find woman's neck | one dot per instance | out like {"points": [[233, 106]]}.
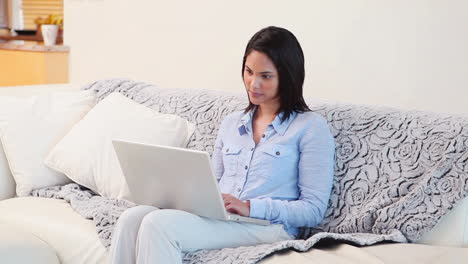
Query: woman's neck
{"points": [[267, 113]]}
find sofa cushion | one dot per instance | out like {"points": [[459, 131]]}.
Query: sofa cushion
{"points": [[29, 135], [452, 230], [20, 247], [388, 253], [86, 154], [72, 237]]}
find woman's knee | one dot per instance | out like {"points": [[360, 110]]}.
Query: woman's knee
{"points": [[158, 228], [134, 216], [125, 233], [166, 221], [161, 218]]}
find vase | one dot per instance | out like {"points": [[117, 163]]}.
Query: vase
{"points": [[49, 34]]}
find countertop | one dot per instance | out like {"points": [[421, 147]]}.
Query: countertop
{"points": [[33, 47]]}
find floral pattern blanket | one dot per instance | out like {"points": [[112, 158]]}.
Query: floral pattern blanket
{"points": [[396, 173]]}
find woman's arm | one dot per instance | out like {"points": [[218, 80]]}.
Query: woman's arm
{"points": [[315, 179], [217, 158]]}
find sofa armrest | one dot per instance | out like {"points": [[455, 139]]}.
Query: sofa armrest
{"points": [[452, 230], [30, 90]]}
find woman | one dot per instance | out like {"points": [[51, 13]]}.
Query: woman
{"points": [[273, 161]]}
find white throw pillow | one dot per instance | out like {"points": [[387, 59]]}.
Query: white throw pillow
{"points": [[7, 183], [9, 107], [29, 135], [86, 154]]}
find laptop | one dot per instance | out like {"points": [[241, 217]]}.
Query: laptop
{"points": [[174, 178]]}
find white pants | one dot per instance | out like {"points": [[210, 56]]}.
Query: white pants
{"points": [[145, 234]]}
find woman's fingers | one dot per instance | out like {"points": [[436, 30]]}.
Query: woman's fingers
{"points": [[226, 199], [234, 205], [231, 208], [227, 196], [229, 199]]}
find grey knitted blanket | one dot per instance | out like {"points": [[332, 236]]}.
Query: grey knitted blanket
{"points": [[396, 173]]}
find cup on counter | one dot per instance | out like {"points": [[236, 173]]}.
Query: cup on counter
{"points": [[49, 34]]}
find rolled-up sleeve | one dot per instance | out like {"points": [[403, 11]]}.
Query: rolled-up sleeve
{"points": [[315, 179]]}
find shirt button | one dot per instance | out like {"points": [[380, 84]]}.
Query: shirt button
{"points": [[277, 153], [252, 149], [238, 189], [246, 167], [263, 135]]}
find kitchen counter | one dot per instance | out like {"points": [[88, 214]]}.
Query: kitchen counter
{"points": [[33, 47], [31, 64]]}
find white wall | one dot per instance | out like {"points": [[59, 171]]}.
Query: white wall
{"points": [[407, 54]]}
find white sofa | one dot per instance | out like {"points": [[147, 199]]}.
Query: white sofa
{"points": [[40, 230]]}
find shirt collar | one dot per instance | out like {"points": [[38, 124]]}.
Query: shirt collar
{"points": [[245, 123], [281, 127]]}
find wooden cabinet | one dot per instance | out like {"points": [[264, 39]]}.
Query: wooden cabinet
{"points": [[33, 64]]}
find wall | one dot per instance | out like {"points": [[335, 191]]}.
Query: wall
{"points": [[408, 54]]}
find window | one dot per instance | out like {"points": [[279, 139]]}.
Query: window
{"points": [[33, 9]]}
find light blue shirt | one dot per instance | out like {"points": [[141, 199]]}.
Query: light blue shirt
{"points": [[287, 176]]}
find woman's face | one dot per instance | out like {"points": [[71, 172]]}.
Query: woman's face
{"points": [[261, 80]]}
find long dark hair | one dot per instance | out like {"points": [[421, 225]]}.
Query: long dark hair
{"points": [[283, 49]]}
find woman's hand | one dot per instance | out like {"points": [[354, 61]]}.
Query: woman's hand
{"points": [[236, 206]]}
